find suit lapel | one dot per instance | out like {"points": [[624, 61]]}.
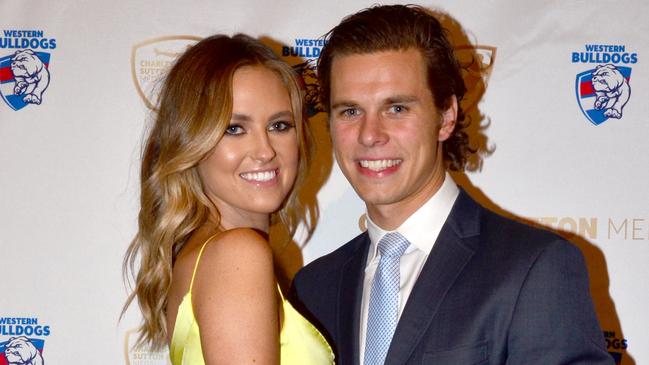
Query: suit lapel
{"points": [[350, 289], [452, 251]]}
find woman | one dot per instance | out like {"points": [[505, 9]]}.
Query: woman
{"points": [[228, 145]]}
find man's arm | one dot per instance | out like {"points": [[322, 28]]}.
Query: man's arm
{"points": [[554, 321]]}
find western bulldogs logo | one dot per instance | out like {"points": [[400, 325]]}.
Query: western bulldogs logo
{"points": [[612, 90], [24, 77], [22, 351], [24, 344], [30, 75], [603, 92], [25, 73]]}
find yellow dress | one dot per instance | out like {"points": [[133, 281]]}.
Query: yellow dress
{"points": [[300, 341]]}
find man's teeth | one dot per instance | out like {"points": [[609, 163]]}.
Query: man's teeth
{"points": [[259, 176], [378, 165]]}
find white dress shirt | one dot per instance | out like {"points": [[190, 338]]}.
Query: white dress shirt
{"points": [[421, 230]]}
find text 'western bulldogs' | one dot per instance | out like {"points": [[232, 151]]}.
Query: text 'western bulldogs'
{"points": [[603, 53], [304, 47], [17, 326], [26, 39]]}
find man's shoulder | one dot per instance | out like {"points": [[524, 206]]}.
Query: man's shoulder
{"points": [[509, 224], [507, 231], [327, 266], [513, 241], [518, 226], [507, 246], [335, 259]]}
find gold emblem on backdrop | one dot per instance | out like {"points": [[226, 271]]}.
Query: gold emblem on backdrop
{"points": [[140, 355], [152, 58], [477, 63]]}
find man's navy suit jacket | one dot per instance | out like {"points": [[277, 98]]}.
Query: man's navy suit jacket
{"points": [[492, 291]]}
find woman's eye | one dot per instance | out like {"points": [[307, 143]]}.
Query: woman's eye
{"points": [[280, 126], [234, 129]]}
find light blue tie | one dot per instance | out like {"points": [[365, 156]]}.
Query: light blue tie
{"points": [[384, 299]]}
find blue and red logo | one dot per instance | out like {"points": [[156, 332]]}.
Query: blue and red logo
{"points": [[24, 342], [24, 77], [22, 350], [25, 71], [603, 91]]}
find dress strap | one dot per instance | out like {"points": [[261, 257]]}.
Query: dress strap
{"points": [[280, 292], [198, 259]]}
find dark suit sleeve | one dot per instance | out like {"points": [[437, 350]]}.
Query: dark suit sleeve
{"points": [[301, 292], [554, 320], [312, 297], [296, 295]]}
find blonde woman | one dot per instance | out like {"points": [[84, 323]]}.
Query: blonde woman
{"points": [[228, 146]]}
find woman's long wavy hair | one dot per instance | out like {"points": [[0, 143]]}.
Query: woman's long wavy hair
{"points": [[193, 111]]}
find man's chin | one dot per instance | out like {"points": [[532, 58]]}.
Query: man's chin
{"points": [[376, 199]]}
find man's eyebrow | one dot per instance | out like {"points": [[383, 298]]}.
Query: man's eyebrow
{"points": [[401, 99], [343, 104], [396, 99]]}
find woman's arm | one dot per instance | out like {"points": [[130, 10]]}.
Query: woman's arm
{"points": [[235, 300]]}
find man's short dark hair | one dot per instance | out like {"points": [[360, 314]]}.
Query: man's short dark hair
{"points": [[402, 27]]}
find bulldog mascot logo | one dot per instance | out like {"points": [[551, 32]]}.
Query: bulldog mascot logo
{"points": [[612, 90], [21, 351], [603, 92], [24, 77], [32, 78]]}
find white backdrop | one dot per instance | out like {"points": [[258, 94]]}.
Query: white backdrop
{"points": [[69, 165]]}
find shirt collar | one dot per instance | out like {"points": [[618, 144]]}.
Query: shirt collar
{"points": [[423, 226]]}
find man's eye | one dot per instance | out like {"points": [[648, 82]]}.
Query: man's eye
{"points": [[280, 126], [234, 129], [397, 109], [351, 112]]}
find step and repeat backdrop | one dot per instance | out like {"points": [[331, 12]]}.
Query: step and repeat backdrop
{"points": [[78, 79]]}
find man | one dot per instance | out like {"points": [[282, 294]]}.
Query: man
{"points": [[436, 279]]}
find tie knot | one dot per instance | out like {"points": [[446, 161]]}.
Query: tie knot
{"points": [[393, 244]]}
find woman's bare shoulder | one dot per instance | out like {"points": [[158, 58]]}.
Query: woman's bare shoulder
{"points": [[235, 298], [233, 263], [234, 247]]}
